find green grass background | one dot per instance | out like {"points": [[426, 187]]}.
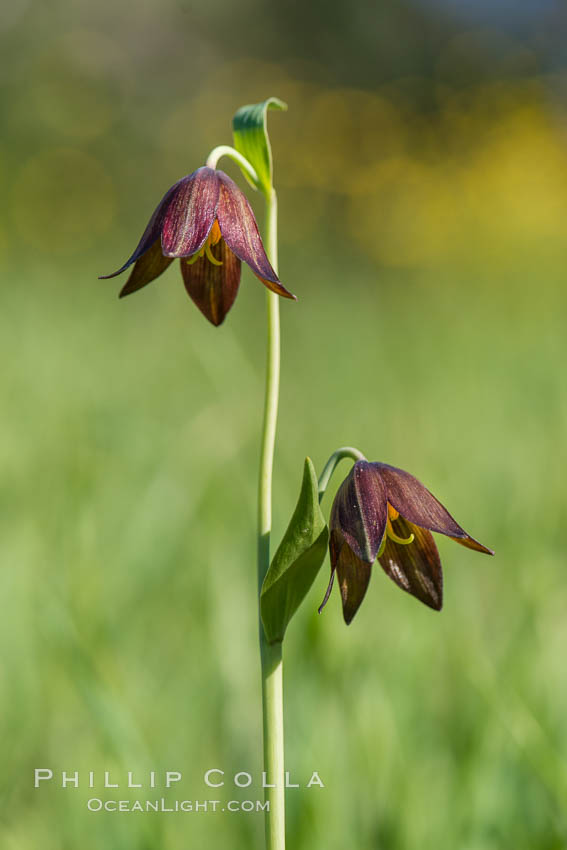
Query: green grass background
{"points": [[423, 229], [129, 450]]}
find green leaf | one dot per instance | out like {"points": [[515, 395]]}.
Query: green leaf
{"points": [[297, 560], [249, 127]]}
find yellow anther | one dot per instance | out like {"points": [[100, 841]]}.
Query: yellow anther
{"points": [[392, 512], [215, 234]]}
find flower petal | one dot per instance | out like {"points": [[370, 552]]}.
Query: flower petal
{"points": [[328, 591], [149, 266], [414, 502], [190, 214], [240, 231], [213, 288], [151, 233], [471, 543], [360, 510], [353, 576], [415, 567]]}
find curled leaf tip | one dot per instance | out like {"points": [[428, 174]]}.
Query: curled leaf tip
{"points": [[251, 139]]}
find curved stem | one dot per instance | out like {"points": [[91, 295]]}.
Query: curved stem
{"points": [[271, 654], [329, 468], [227, 150]]}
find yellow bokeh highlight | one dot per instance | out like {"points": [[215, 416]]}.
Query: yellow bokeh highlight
{"points": [[480, 175], [490, 181], [406, 218], [484, 171]]}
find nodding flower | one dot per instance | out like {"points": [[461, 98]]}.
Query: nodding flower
{"points": [[206, 222], [383, 513]]}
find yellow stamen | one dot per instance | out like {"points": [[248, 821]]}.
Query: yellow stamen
{"points": [[213, 238], [194, 257], [210, 257], [404, 541]]}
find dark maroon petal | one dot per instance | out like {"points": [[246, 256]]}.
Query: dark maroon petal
{"points": [[213, 288], [328, 591], [336, 542], [240, 231], [471, 543], [415, 567], [151, 233], [190, 214], [353, 576], [147, 268], [414, 502], [360, 510]]}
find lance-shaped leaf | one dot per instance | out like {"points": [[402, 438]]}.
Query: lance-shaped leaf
{"points": [[249, 127], [297, 560]]}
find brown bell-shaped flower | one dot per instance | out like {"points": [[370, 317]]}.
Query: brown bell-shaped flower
{"points": [[206, 221], [381, 512]]}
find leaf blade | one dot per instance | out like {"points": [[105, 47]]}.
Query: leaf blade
{"points": [[297, 560]]}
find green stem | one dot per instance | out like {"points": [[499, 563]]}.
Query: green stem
{"points": [[232, 153], [271, 654], [329, 468]]}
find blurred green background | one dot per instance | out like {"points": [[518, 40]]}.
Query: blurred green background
{"points": [[422, 174]]}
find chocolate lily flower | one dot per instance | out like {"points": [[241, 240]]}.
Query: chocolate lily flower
{"points": [[206, 221], [381, 512]]}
